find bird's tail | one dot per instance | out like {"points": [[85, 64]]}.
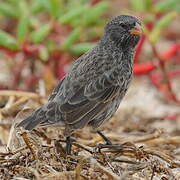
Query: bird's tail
{"points": [[33, 120]]}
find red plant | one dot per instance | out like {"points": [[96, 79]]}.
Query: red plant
{"points": [[161, 81]]}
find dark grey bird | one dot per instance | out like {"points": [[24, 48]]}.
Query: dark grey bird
{"points": [[91, 92]]}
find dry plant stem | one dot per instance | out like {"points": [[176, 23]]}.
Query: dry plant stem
{"points": [[4, 124], [80, 146], [133, 151], [153, 173], [10, 137], [20, 101], [163, 156], [7, 161], [161, 63], [128, 147], [58, 176], [10, 101], [5, 153], [93, 162], [29, 144], [9, 110], [43, 135], [83, 147], [137, 167], [125, 160], [169, 140], [157, 134], [79, 166], [19, 150], [19, 94], [1, 116], [109, 173]]}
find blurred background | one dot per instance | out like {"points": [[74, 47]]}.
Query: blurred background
{"points": [[39, 39]]}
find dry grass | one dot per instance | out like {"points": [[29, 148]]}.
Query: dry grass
{"points": [[141, 149]]}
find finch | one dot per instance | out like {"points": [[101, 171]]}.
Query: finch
{"points": [[91, 92]]}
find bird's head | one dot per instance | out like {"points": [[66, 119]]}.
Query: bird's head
{"points": [[124, 31]]}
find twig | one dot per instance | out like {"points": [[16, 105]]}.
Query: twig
{"points": [[152, 175], [10, 110], [125, 160], [60, 175], [43, 135], [79, 166], [166, 140], [29, 144], [104, 170], [10, 102], [80, 146], [86, 148], [138, 167], [19, 94], [19, 150], [157, 134], [164, 157]]}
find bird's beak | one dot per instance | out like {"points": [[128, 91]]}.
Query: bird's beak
{"points": [[137, 30]]}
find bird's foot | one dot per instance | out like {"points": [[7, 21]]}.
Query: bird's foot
{"points": [[101, 146], [68, 146]]}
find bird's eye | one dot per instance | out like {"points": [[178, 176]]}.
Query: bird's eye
{"points": [[123, 25], [134, 23]]}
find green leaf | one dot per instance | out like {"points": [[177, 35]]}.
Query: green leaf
{"points": [[34, 22], [62, 6], [23, 24], [8, 41], [23, 8], [177, 8], [137, 5], [75, 4], [40, 34], [72, 38], [13, 2], [22, 28], [82, 48], [54, 8], [8, 10], [167, 4], [37, 6], [43, 54], [72, 15], [160, 25], [148, 4], [92, 15]]}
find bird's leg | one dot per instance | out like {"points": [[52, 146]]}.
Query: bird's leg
{"points": [[108, 142], [69, 139], [100, 146]]}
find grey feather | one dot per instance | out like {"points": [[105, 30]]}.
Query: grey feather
{"points": [[93, 89]]}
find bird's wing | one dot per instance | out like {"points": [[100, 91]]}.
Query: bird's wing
{"points": [[92, 92], [87, 88], [89, 101], [56, 90]]}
